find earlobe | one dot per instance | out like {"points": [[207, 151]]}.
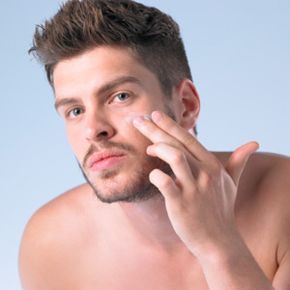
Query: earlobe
{"points": [[190, 104]]}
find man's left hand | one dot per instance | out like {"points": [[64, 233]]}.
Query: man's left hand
{"points": [[200, 198]]}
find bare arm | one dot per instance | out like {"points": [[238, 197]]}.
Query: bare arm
{"points": [[200, 204], [233, 267]]}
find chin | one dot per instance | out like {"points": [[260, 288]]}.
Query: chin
{"points": [[115, 190], [114, 186], [129, 185]]}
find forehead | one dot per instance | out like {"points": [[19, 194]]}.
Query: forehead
{"points": [[96, 67]]}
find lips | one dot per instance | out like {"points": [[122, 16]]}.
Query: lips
{"points": [[104, 159]]}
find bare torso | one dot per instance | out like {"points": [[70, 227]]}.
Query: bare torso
{"points": [[88, 245]]}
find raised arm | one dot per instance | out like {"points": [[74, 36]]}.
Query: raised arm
{"points": [[200, 202]]}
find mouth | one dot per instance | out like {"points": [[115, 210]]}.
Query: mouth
{"points": [[105, 160]]}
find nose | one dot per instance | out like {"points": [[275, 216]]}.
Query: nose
{"points": [[98, 127]]}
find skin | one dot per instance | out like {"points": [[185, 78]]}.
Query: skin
{"points": [[221, 223]]}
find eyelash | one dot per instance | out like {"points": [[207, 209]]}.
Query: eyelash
{"points": [[121, 93], [68, 113]]}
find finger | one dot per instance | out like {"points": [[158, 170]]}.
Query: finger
{"points": [[238, 160], [183, 136], [155, 134], [165, 184], [177, 161]]}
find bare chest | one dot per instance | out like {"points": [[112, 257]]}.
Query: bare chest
{"points": [[115, 260], [119, 269], [119, 264]]}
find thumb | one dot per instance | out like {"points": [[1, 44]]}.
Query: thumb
{"points": [[238, 160]]}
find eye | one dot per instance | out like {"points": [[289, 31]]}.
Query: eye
{"points": [[121, 97], [74, 113]]}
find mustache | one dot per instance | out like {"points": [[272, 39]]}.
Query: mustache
{"points": [[107, 145]]}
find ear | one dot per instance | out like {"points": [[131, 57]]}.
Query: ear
{"points": [[188, 104]]}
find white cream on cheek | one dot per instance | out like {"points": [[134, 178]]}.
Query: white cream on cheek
{"points": [[131, 116]]}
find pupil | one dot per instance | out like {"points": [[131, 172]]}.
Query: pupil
{"points": [[123, 96], [76, 111]]}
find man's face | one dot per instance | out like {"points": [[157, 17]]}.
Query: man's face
{"points": [[97, 93]]}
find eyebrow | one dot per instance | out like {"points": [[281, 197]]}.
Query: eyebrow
{"points": [[103, 89], [65, 102]]}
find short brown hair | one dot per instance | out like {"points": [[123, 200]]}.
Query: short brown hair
{"points": [[80, 25]]}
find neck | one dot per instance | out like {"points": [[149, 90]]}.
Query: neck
{"points": [[151, 224]]}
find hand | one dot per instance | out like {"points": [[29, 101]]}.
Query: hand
{"points": [[200, 199]]}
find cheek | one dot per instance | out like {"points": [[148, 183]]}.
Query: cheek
{"points": [[129, 134], [75, 141]]}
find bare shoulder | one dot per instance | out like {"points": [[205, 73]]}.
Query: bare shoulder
{"points": [[59, 213], [46, 237], [274, 175], [264, 188], [266, 171], [276, 184], [270, 199], [267, 179], [263, 206]]}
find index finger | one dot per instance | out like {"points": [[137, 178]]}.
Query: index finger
{"points": [[189, 141]]}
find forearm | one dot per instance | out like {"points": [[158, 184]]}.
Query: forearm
{"points": [[233, 267]]}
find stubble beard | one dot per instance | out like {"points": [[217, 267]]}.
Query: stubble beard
{"points": [[137, 189]]}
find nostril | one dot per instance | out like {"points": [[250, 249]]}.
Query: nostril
{"points": [[103, 134], [99, 130]]}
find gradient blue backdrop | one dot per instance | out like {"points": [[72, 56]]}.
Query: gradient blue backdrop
{"points": [[239, 55]]}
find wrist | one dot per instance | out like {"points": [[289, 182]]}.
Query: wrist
{"points": [[224, 250], [234, 263]]}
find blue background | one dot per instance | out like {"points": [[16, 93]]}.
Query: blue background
{"points": [[240, 60]]}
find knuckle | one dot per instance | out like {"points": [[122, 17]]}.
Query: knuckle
{"points": [[166, 182], [178, 157], [157, 135], [207, 178]]}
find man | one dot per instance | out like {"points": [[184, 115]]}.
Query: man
{"points": [[158, 210]]}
